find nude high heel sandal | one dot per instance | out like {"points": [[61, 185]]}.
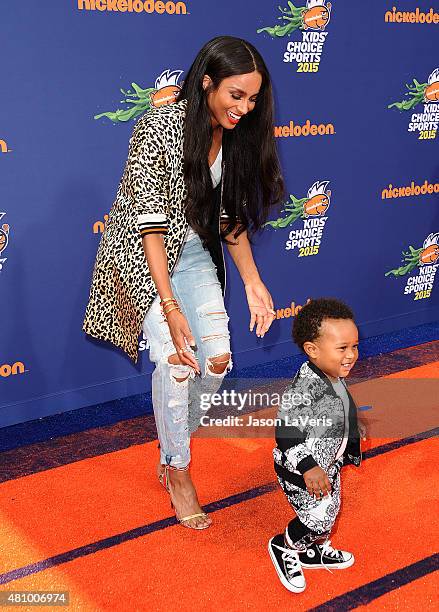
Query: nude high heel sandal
{"points": [[184, 519], [161, 475]]}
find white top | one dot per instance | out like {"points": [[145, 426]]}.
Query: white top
{"points": [[340, 389], [215, 173]]}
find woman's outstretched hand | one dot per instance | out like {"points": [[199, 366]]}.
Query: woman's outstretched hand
{"points": [[261, 307]]}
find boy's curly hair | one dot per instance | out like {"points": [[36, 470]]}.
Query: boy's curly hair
{"points": [[307, 323]]}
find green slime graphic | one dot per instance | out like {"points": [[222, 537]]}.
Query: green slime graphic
{"points": [[294, 211], [140, 99], [412, 259], [294, 18], [416, 91]]}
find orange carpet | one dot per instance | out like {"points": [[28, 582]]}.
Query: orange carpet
{"points": [[387, 521]]}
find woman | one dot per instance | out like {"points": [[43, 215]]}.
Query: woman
{"points": [[199, 171]]}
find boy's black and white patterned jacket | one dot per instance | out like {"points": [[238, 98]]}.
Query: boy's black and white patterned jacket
{"points": [[311, 426]]}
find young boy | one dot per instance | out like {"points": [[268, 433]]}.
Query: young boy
{"points": [[317, 433]]}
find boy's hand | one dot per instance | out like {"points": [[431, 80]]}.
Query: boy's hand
{"points": [[317, 482]]}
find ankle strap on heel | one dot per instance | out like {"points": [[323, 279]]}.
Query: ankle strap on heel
{"points": [[176, 468], [168, 467]]}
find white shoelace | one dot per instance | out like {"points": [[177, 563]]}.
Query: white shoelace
{"points": [[291, 559], [326, 549]]}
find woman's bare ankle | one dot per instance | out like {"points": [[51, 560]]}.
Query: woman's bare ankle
{"points": [[181, 478]]}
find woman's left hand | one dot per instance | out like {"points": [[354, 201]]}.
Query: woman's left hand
{"points": [[261, 307]]}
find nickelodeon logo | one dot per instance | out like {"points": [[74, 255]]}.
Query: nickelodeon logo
{"points": [[134, 6], [99, 226], [291, 311], [412, 190], [4, 146], [417, 16], [307, 129], [7, 370]]}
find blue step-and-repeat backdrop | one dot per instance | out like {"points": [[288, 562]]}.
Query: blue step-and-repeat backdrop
{"points": [[357, 113]]}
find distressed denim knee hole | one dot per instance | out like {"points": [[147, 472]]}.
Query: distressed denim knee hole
{"points": [[209, 362], [177, 372]]}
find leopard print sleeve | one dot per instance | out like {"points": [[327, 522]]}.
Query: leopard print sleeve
{"points": [[146, 176]]}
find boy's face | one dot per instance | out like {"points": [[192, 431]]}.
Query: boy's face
{"points": [[335, 351]]}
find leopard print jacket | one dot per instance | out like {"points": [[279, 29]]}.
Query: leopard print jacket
{"points": [[149, 199]]}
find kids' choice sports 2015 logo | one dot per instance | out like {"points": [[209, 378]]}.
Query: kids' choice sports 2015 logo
{"points": [[138, 100], [4, 239], [311, 20], [426, 122], [424, 260], [311, 210]]}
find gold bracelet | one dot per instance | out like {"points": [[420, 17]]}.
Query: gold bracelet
{"points": [[173, 301], [163, 306], [170, 309], [170, 299]]}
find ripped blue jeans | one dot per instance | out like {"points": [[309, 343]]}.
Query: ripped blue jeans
{"points": [[176, 403]]}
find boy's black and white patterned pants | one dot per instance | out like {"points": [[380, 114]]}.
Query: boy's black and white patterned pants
{"points": [[315, 518]]}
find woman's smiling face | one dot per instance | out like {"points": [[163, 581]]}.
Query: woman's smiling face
{"points": [[234, 98]]}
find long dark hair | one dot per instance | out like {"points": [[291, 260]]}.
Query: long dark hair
{"points": [[252, 177]]}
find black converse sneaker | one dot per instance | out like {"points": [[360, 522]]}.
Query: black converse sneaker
{"points": [[287, 564], [323, 555]]}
